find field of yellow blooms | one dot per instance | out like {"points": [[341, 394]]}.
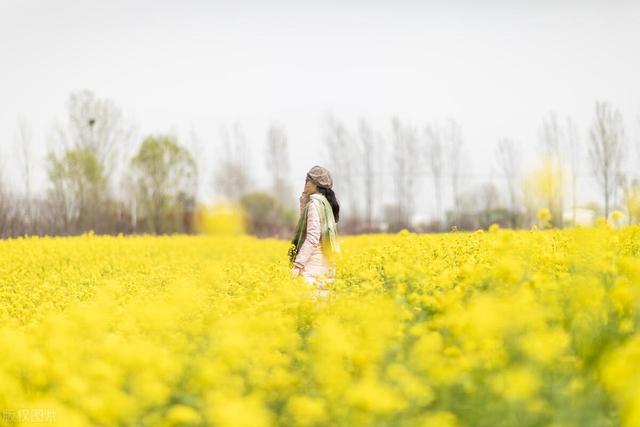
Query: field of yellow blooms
{"points": [[496, 328]]}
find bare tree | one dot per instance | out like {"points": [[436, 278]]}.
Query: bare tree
{"points": [[80, 175], [5, 205], [435, 162], [99, 126], [194, 146], [400, 171], [23, 150], [342, 152], [406, 162], [278, 165], [488, 200], [453, 145], [23, 139], [551, 136], [508, 157], [369, 152], [232, 178], [573, 146], [606, 149]]}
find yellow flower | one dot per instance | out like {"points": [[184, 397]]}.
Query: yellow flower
{"points": [[439, 419], [306, 410], [209, 330], [240, 412], [373, 397], [517, 383], [616, 215], [182, 415]]}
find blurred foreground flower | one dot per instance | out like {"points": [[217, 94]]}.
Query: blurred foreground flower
{"points": [[544, 218], [221, 219]]}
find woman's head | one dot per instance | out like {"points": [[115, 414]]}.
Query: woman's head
{"points": [[320, 177], [319, 180]]}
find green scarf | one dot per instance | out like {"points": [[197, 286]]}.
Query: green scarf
{"points": [[329, 239]]}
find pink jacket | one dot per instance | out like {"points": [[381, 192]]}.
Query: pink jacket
{"points": [[310, 255]]}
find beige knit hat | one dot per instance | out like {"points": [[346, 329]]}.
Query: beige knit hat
{"points": [[320, 177]]}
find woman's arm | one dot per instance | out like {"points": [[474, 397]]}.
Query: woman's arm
{"points": [[313, 235]]}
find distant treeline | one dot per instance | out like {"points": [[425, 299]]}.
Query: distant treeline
{"points": [[99, 178]]}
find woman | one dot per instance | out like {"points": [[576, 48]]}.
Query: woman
{"points": [[315, 242]]}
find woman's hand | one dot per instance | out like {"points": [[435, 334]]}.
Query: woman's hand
{"points": [[295, 272], [304, 198]]}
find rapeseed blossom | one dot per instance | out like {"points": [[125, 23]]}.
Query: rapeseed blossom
{"points": [[510, 328]]}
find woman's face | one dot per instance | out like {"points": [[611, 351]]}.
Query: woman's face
{"points": [[309, 187]]}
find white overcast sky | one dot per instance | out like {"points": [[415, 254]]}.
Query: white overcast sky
{"points": [[497, 67]]}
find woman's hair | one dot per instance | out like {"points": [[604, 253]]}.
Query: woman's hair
{"points": [[331, 197]]}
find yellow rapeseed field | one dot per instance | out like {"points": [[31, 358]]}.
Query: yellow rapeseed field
{"points": [[495, 328]]}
